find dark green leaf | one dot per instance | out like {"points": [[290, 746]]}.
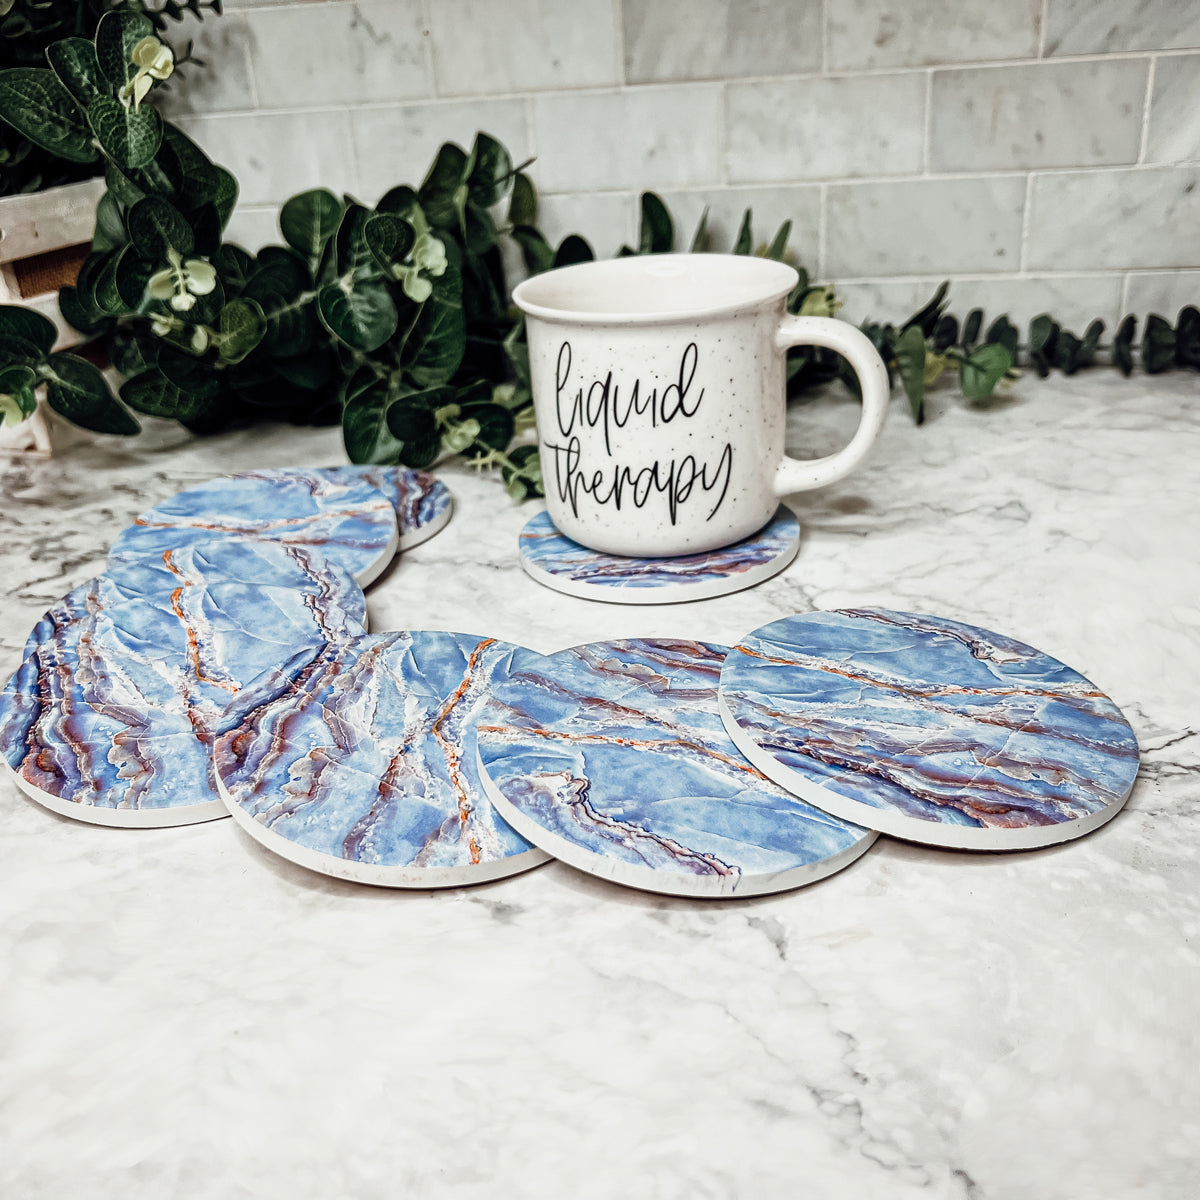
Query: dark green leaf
{"points": [[478, 231], [411, 421], [573, 249], [79, 315], [1123, 345], [132, 351], [1091, 340], [910, 363], [522, 204], [243, 327], [979, 373], [353, 254], [945, 333], [778, 246], [364, 420], [1187, 337], [155, 395], [1002, 332], [280, 284], [20, 383], [35, 104], [537, 252], [124, 189], [489, 172], [130, 137], [495, 427], [156, 226], [19, 351], [517, 351], [234, 265], [522, 474], [308, 371], [131, 273], [105, 293], [745, 237], [443, 195], [110, 232], [1066, 352], [75, 63], [189, 374], [402, 202], [362, 318], [224, 194], [19, 322], [116, 36], [206, 228], [926, 318], [656, 233], [390, 240], [309, 220], [971, 327], [700, 237], [439, 339], [78, 392], [1043, 343], [1158, 344]]}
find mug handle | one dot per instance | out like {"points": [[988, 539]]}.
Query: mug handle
{"points": [[798, 475]]}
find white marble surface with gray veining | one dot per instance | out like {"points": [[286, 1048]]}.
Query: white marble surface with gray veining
{"points": [[184, 1015]]}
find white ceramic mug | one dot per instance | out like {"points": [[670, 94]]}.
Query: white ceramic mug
{"points": [[659, 385]]}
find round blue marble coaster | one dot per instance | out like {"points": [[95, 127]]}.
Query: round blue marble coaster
{"points": [[612, 757], [358, 761], [297, 567], [349, 522], [568, 567], [422, 501], [928, 729], [111, 716]]}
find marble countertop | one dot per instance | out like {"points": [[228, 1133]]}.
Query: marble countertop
{"points": [[184, 1015]]}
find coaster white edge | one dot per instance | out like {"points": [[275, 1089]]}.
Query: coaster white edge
{"points": [[374, 874], [943, 835], [122, 818], [416, 537], [667, 883], [369, 574], [664, 593]]}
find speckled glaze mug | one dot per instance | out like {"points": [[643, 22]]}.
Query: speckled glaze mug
{"points": [[659, 386]]}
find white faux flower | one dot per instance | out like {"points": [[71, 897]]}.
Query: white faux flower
{"points": [[154, 57], [429, 254], [180, 283]]}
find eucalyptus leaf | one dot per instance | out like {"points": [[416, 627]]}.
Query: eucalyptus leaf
{"points": [[1091, 341], [778, 247], [309, 220], [971, 327], [1158, 344], [522, 204], [744, 244], [130, 137], [75, 63], [982, 369], [700, 237], [573, 249], [1043, 343], [522, 474], [36, 104], [537, 252], [1003, 332], [656, 233], [910, 363], [927, 317], [362, 317], [1123, 345], [945, 333], [1066, 352], [77, 391], [31, 326], [1187, 337]]}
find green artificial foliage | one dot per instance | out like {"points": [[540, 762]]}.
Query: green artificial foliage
{"points": [[392, 321]]}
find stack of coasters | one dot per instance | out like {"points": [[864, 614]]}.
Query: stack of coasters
{"points": [[565, 566], [111, 716], [928, 729], [358, 760]]}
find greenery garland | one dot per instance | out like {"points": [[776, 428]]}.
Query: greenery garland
{"points": [[393, 321]]}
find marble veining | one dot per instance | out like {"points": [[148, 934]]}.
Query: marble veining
{"points": [[923, 722], [349, 521], [557, 561], [423, 503], [113, 710], [612, 755], [358, 759]]}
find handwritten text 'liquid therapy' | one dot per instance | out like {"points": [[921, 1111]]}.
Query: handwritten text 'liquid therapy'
{"points": [[604, 407]]}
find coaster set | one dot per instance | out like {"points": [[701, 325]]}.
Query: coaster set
{"points": [[112, 714], [234, 676]]}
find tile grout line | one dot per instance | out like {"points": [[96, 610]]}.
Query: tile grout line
{"points": [[427, 39], [1146, 104], [1026, 216], [1124, 301], [825, 36], [927, 149], [822, 227], [248, 60], [1041, 48]]}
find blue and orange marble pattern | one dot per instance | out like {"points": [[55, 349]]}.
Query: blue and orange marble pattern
{"points": [[116, 703], [544, 548], [930, 720], [364, 753], [421, 500], [350, 522], [617, 749]]}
